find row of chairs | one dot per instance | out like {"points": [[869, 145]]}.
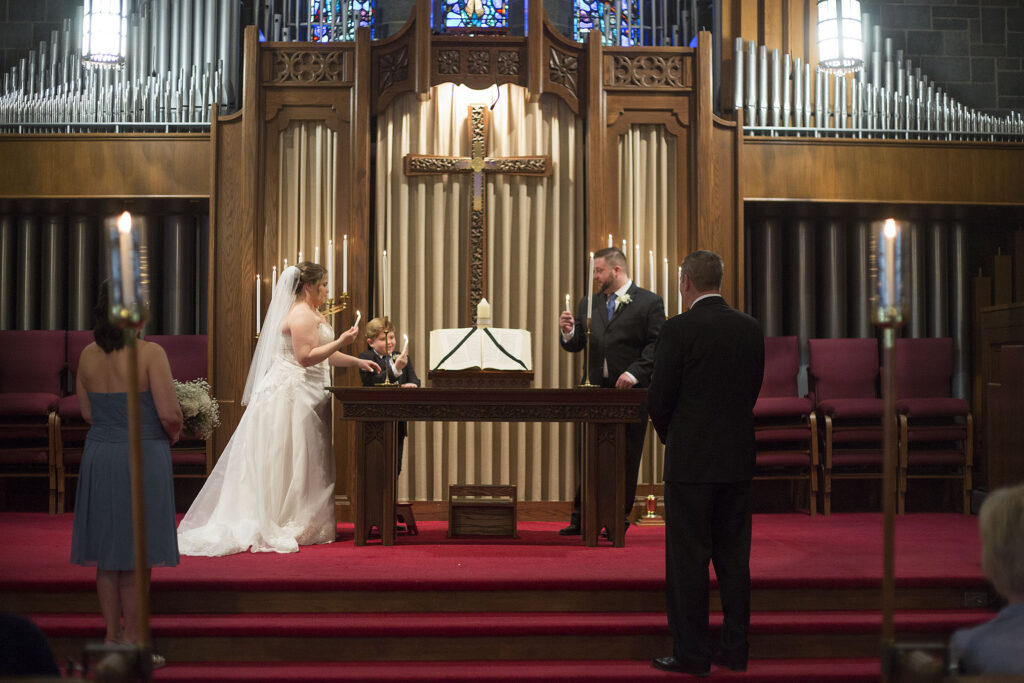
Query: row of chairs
{"points": [[842, 416], [42, 432]]}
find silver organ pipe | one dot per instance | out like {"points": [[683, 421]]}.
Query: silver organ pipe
{"points": [[181, 56], [888, 98]]}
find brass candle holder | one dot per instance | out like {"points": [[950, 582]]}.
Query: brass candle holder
{"points": [[586, 363]]}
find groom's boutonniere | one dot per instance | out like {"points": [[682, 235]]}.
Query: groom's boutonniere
{"points": [[622, 301]]}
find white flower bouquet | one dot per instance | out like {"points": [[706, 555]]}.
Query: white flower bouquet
{"points": [[201, 411]]}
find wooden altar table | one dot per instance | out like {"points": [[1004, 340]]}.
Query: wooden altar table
{"points": [[377, 412]]}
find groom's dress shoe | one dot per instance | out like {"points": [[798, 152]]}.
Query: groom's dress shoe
{"points": [[572, 530], [726, 663], [675, 666]]}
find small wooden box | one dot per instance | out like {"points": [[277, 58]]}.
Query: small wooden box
{"points": [[482, 510]]}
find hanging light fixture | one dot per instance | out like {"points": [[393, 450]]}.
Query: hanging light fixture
{"points": [[104, 33], [840, 45]]}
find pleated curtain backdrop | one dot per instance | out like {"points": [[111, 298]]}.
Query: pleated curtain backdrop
{"points": [[647, 216], [306, 203], [534, 257]]}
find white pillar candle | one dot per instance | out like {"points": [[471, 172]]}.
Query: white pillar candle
{"points": [[679, 291], [590, 290], [344, 265], [273, 280], [567, 304], [125, 248], [610, 243], [650, 263], [258, 307]]}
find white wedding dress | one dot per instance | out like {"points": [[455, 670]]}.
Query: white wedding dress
{"points": [[272, 489]]}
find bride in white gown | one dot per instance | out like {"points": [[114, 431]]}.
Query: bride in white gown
{"points": [[272, 489]]}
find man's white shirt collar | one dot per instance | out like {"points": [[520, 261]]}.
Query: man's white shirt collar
{"points": [[704, 296]]}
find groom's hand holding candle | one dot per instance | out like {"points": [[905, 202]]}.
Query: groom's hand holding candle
{"points": [[566, 322]]}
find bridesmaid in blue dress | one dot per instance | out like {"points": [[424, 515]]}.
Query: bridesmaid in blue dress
{"points": [[102, 534]]}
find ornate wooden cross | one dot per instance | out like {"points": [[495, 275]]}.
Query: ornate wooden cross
{"points": [[479, 165]]}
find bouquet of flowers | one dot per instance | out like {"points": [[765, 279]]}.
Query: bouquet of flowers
{"points": [[201, 411]]}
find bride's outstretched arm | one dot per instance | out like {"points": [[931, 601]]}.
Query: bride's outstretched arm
{"points": [[343, 360], [303, 328]]}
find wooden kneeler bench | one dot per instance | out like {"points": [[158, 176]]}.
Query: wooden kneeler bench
{"points": [[482, 510]]}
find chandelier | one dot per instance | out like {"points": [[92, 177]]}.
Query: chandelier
{"points": [[840, 44], [104, 31]]}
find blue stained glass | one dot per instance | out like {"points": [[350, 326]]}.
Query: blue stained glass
{"points": [[475, 13], [340, 16], [588, 15]]}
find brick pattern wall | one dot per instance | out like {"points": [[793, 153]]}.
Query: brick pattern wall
{"points": [[973, 49], [26, 23]]}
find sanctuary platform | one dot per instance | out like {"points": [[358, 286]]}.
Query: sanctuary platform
{"points": [[537, 608]]}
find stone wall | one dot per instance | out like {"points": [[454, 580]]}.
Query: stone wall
{"points": [[974, 50]]}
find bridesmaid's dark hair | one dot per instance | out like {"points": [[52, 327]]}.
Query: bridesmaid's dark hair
{"points": [[309, 274], [108, 336]]}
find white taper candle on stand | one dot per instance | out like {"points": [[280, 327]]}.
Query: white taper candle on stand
{"points": [[664, 282], [273, 280], [636, 264], [590, 290], [330, 270], [124, 243], [258, 307], [344, 264], [679, 291], [650, 264], [384, 284]]}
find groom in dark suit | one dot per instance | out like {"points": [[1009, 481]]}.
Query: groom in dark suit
{"points": [[708, 367], [623, 331]]}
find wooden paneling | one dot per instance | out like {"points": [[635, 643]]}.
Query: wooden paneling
{"points": [[880, 171], [102, 165]]}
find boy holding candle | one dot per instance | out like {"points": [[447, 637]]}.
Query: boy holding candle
{"points": [[395, 367]]}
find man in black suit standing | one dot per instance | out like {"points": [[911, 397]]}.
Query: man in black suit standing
{"points": [[708, 368], [623, 331]]}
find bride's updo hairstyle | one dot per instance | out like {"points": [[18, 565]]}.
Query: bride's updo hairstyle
{"points": [[309, 274]]}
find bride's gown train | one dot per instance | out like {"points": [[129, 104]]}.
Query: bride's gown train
{"points": [[272, 489]]}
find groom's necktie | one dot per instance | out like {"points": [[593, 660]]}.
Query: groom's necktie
{"points": [[611, 305]]}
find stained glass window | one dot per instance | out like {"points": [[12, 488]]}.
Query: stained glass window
{"points": [[588, 15], [475, 13], [333, 20]]}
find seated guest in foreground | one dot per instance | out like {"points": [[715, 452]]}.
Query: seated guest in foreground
{"points": [[102, 533], [380, 337], [997, 646]]}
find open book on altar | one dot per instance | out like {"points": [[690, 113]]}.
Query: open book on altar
{"points": [[480, 348]]}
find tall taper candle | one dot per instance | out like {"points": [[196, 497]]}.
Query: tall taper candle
{"points": [[568, 307], [636, 264], [330, 269], [590, 290], [624, 248], [258, 307], [664, 282], [300, 258], [650, 264], [679, 291], [610, 243], [888, 293], [124, 228], [384, 284], [405, 343], [344, 264], [273, 280], [316, 254]]}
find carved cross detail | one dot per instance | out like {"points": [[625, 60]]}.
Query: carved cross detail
{"points": [[479, 165]]}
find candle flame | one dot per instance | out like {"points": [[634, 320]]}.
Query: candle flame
{"points": [[124, 223], [890, 228]]}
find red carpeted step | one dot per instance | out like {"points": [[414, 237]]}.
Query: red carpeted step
{"points": [[833, 670], [463, 624]]}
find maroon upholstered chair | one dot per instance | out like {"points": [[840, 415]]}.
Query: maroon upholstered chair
{"points": [[936, 430], [785, 425], [844, 376], [31, 366]]}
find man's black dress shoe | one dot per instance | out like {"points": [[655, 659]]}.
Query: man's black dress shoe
{"points": [[604, 532], [675, 666], [572, 530]]}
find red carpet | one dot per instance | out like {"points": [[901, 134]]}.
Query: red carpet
{"points": [[788, 550]]}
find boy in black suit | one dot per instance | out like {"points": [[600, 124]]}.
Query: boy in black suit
{"points": [[708, 368], [623, 331], [380, 337]]}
